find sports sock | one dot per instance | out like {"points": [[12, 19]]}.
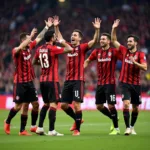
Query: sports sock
{"points": [[69, 111], [43, 115], [52, 118], [23, 122], [134, 116], [126, 116], [106, 112], [11, 115], [114, 116], [78, 119], [34, 117]]}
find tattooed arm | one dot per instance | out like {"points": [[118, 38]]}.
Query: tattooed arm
{"points": [[48, 23]]}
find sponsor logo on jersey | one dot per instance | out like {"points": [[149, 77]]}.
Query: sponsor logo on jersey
{"points": [[128, 61], [72, 55], [104, 59], [43, 50], [109, 53], [27, 57]]}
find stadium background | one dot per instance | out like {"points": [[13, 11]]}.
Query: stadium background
{"points": [[22, 15]]}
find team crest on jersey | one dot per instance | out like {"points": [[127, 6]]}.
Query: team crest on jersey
{"points": [[99, 54], [109, 53], [76, 49], [17, 97], [23, 53], [127, 55]]}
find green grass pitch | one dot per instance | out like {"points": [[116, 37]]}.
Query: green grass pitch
{"points": [[94, 134]]}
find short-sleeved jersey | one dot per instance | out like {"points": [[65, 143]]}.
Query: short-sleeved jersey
{"points": [[130, 73], [75, 61], [48, 56], [106, 64], [24, 71]]}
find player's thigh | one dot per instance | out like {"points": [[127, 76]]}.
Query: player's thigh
{"points": [[67, 92], [100, 95], [125, 91], [31, 93], [110, 92], [54, 93], [78, 91], [18, 93], [45, 88], [136, 94]]}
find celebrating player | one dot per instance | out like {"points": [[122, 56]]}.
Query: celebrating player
{"points": [[106, 61], [47, 55], [24, 90], [133, 61], [74, 85]]}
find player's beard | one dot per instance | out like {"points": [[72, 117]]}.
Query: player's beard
{"points": [[104, 45], [131, 48]]}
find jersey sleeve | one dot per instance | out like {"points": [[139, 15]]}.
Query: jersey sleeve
{"points": [[92, 55], [84, 47], [57, 50], [32, 44], [142, 58], [118, 55], [36, 56], [122, 49], [13, 52]]}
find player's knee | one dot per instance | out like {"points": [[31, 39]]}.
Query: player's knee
{"points": [[17, 107], [126, 105], [110, 106], [77, 106], [99, 107], [35, 105], [135, 108], [46, 104], [64, 106]]}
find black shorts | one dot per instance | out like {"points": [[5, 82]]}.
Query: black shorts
{"points": [[24, 92], [131, 92], [105, 93], [73, 91], [50, 92]]}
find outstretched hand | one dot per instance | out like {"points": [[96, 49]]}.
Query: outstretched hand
{"points": [[97, 23], [33, 32], [116, 23], [56, 21], [49, 22]]}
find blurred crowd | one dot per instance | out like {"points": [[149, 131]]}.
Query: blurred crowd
{"points": [[22, 15]]}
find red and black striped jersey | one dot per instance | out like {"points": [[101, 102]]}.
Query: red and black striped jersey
{"points": [[106, 64], [130, 73], [23, 66], [75, 61], [48, 56]]}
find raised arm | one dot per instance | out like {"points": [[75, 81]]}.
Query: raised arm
{"points": [[26, 41], [67, 47], [113, 34], [96, 25], [40, 36], [56, 27]]}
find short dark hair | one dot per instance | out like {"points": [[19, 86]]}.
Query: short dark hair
{"points": [[106, 34], [23, 36], [136, 38], [79, 31], [48, 35]]}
